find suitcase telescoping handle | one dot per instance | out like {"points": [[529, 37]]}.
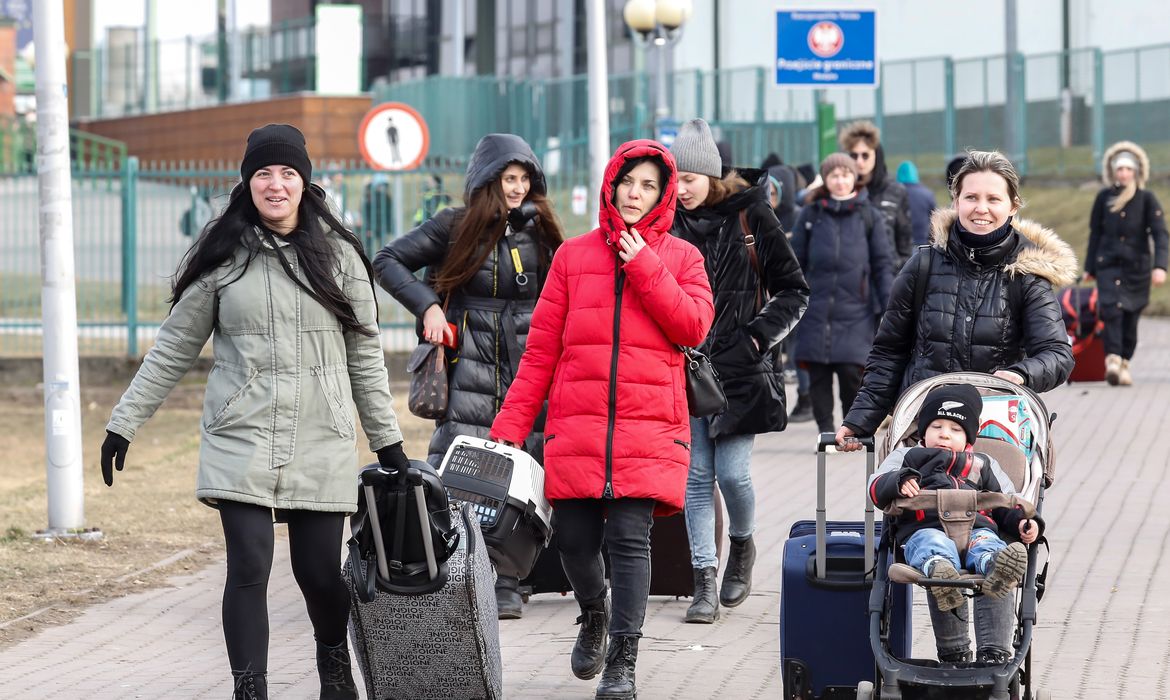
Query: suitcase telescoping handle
{"points": [[827, 442]]}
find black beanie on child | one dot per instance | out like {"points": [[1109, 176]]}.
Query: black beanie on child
{"points": [[276, 144], [960, 403]]}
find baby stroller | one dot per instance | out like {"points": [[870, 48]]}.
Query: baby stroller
{"points": [[1020, 441]]}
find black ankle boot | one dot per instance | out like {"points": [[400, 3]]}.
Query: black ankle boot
{"points": [[336, 677], [992, 656], [589, 651], [249, 686], [955, 657], [509, 604], [617, 681], [705, 604], [737, 577]]}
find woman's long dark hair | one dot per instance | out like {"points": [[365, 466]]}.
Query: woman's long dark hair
{"points": [[479, 229], [317, 258]]}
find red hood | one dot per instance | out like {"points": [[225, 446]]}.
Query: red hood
{"points": [[656, 223]]}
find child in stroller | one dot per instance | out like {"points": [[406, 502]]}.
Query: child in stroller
{"points": [[948, 425], [1014, 438]]}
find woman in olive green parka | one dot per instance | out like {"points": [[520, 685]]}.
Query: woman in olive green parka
{"points": [[284, 291]]}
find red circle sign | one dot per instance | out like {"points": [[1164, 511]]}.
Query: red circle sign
{"points": [[393, 136]]}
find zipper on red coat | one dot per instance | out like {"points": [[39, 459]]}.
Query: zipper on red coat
{"points": [[619, 276]]}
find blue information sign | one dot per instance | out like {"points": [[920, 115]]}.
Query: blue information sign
{"points": [[826, 48]]}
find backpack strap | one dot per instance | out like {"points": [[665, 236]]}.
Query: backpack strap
{"points": [[922, 277]]}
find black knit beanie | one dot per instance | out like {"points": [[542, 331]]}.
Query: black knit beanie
{"points": [[960, 403], [276, 144]]}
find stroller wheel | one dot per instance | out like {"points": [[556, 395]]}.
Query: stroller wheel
{"points": [[1041, 694], [865, 691]]}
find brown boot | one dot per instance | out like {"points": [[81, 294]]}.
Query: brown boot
{"points": [[1112, 369], [1123, 377]]}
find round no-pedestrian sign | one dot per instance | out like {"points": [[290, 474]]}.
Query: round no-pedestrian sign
{"points": [[393, 136]]}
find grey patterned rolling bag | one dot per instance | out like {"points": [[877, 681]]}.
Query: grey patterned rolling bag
{"points": [[423, 616]]}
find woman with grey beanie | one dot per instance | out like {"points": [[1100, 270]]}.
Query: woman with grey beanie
{"points": [[760, 294]]}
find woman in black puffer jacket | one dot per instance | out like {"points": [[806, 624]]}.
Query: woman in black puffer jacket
{"points": [[988, 306], [748, 259], [1126, 217], [470, 254], [988, 303]]}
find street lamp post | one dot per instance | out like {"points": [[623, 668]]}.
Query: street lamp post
{"points": [[660, 22]]}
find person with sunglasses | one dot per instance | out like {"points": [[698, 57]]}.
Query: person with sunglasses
{"points": [[861, 141]]}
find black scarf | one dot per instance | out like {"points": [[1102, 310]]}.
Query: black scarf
{"points": [[975, 241]]}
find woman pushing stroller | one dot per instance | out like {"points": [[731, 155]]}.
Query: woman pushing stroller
{"points": [[987, 305]]}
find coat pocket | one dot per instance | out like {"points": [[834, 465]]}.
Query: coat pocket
{"points": [[341, 416], [228, 412]]}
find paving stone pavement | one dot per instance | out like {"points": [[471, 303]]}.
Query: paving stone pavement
{"points": [[1101, 630]]}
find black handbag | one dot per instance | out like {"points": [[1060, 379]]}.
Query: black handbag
{"points": [[705, 395]]}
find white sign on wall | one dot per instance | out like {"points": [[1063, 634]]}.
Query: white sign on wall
{"points": [[338, 43]]}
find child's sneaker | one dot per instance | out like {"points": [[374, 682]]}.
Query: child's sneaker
{"points": [[945, 597], [1007, 570]]}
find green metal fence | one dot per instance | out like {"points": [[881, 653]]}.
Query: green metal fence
{"points": [[1069, 107], [134, 222]]}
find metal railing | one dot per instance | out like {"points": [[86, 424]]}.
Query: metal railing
{"points": [[135, 221]]}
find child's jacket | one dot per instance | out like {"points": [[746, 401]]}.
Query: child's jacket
{"points": [[940, 468]]}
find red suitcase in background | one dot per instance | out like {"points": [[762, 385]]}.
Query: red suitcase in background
{"points": [[1084, 326]]}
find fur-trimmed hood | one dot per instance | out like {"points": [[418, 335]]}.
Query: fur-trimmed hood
{"points": [[1044, 254], [1143, 162]]}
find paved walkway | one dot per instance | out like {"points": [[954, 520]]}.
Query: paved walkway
{"points": [[1102, 629]]}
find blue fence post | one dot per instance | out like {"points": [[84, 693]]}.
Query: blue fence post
{"points": [[130, 252], [1098, 108], [879, 116], [949, 107]]}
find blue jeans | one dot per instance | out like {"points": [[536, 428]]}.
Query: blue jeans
{"points": [[929, 543], [994, 617], [726, 460]]}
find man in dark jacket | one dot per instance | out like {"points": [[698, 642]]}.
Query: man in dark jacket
{"points": [[862, 141], [922, 202]]}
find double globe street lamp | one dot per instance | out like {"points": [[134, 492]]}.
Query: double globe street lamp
{"points": [[660, 22]]}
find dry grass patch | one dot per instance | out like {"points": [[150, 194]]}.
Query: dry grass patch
{"points": [[149, 515]]}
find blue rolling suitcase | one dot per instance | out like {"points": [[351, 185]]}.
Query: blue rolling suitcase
{"points": [[824, 598]]}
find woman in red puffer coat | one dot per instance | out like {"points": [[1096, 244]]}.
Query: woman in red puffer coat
{"points": [[603, 349]]}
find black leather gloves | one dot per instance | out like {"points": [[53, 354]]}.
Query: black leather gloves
{"points": [[521, 215], [113, 454], [392, 458]]}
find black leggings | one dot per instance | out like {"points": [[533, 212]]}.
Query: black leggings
{"points": [[315, 550], [1120, 333], [820, 390]]}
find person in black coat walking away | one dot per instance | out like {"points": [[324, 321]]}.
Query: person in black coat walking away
{"points": [[987, 306], [922, 202], [841, 244], [486, 263], [759, 295], [862, 141], [1125, 220]]}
